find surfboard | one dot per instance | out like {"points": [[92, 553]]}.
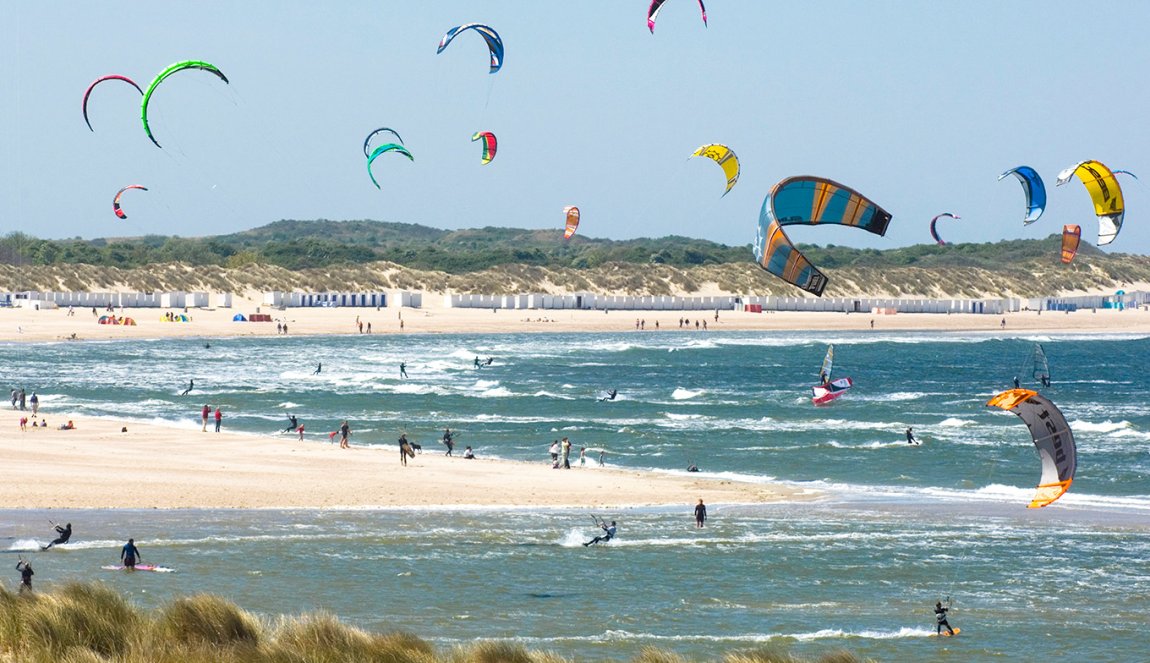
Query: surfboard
{"points": [[146, 567], [947, 635], [409, 451]]}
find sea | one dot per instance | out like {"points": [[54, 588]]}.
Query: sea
{"points": [[889, 528]]}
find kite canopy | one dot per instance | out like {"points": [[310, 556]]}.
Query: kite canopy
{"points": [[725, 157], [494, 43], [1035, 191], [1052, 437], [808, 201], [383, 149], [1126, 172], [109, 77], [1071, 237], [367, 141], [489, 145], [657, 6], [934, 228], [116, 201], [1104, 193], [162, 76], [572, 214]]}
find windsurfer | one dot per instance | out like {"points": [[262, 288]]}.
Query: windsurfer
{"points": [[1045, 380], [1017, 385]]}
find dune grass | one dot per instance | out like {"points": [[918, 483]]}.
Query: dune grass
{"points": [[91, 623]]}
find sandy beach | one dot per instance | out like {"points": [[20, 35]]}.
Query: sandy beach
{"points": [[96, 465]]}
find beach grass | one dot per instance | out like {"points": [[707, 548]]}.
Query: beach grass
{"points": [[92, 623]]}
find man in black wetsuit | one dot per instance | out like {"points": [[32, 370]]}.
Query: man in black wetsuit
{"points": [[65, 533], [448, 441], [910, 436], [293, 424], [130, 554], [609, 533], [940, 618], [610, 396], [26, 573]]}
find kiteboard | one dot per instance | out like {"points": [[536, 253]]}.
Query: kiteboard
{"points": [[947, 634], [409, 451], [140, 567]]}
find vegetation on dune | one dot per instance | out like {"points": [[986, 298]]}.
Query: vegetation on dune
{"points": [[365, 255], [88, 622]]}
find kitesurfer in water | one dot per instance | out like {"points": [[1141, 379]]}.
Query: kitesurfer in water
{"points": [[910, 436], [130, 554], [609, 533], [318, 368], [191, 384], [293, 424], [65, 533], [489, 360], [940, 618], [610, 396], [402, 369]]}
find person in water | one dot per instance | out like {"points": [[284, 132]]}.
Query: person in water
{"points": [[700, 513], [26, 573], [1045, 380], [940, 618], [910, 436], [1016, 383], [130, 554], [448, 441], [477, 364], [293, 424], [402, 369], [318, 368], [191, 385], [692, 468], [610, 396], [608, 534], [489, 360], [65, 533]]}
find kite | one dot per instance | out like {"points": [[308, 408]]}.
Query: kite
{"points": [[109, 77], [725, 157], [809, 201], [383, 149], [934, 230], [489, 144], [1052, 437], [1126, 172], [367, 141], [116, 201], [1104, 192], [572, 214], [1071, 237], [163, 75], [1035, 191], [657, 6], [494, 43]]}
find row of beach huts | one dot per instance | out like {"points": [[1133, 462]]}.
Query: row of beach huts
{"points": [[577, 301]]}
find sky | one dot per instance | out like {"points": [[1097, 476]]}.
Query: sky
{"points": [[918, 105]]}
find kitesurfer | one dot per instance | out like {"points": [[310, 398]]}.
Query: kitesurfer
{"points": [[130, 554], [940, 617], [318, 368], [692, 468], [609, 533], [293, 424], [448, 441], [610, 396], [26, 573], [402, 369], [910, 436], [489, 360], [700, 513], [191, 384], [65, 533], [477, 361]]}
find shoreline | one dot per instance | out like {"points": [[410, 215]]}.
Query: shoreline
{"points": [[96, 466]]}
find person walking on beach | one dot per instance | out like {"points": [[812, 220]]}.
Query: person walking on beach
{"points": [[219, 418], [15, 397], [191, 385], [204, 414], [910, 436], [700, 513], [35, 400], [582, 456], [22, 398], [65, 533], [344, 433], [566, 454], [608, 534], [448, 441], [130, 554], [293, 424], [404, 449], [402, 369], [602, 452], [26, 573], [940, 617]]}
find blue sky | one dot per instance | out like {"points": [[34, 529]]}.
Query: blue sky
{"points": [[918, 105]]}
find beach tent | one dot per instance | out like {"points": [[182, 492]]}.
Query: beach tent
{"points": [[239, 317], [128, 321], [106, 320]]}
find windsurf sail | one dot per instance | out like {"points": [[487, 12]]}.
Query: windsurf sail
{"points": [[1052, 438], [1041, 367], [827, 389]]}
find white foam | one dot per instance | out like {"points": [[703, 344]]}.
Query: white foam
{"points": [[681, 394]]}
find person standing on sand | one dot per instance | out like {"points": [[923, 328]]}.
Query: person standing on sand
{"points": [[555, 455], [219, 418], [404, 447], [130, 554], [602, 452], [35, 400], [582, 456], [204, 414], [700, 513], [566, 454], [344, 433], [448, 441], [22, 398]]}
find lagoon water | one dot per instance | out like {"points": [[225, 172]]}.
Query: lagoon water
{"points": [[895, 527]]}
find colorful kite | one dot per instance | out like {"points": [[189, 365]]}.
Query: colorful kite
{"points": [[163, 75], [1052, 437], [1071, 237], [109, 77], [1104, 193], [383, 149], [657, 6], [494, 43], [367, 141], [934, 229], [489, 144], [1035, 191], [572, 214], [116, 201], [725, 157]]}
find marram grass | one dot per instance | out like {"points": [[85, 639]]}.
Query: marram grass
{"points": [[91, 623]]}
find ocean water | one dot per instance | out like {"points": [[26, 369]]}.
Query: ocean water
{"points": [[895, 527]]}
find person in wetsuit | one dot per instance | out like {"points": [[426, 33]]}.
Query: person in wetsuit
{"points": [[191, 385], [448, 442], [130, 554], [65, 533], [940, 618], [293, 424], [609, 533], [910, 436], [610, 396], [700, 513], [26, 573]]}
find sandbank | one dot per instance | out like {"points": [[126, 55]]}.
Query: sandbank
{"points": [[97, 466], [23, 324]]}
